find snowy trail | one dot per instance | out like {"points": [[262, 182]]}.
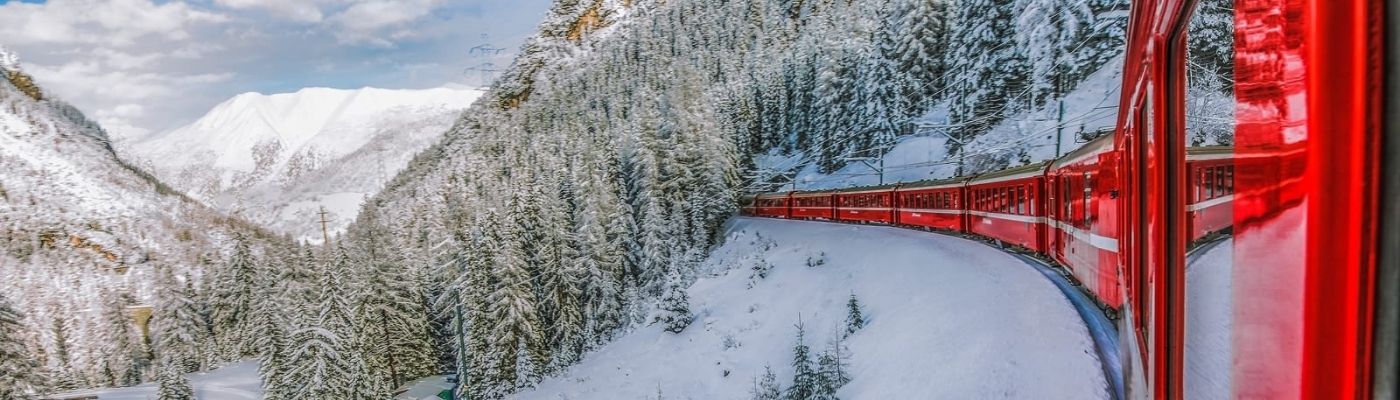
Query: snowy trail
{"points": [[237, 381], [949, 318]]}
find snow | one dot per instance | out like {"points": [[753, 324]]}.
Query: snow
{"points": [[1209, 304], [332, 121], [9, 61], [333, 147], [234, 382], [425, 389], [948, 318]]}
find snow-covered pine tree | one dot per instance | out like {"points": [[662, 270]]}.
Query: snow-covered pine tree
{"points": [[122, 354], [917, 39], [322, 360], [20, 377], [804, 378], [675, 304], [1052, 33], [855, 320], [833, 368], [517, 351], [391, 321], [178, 329], [988, 69], [230, 301], [561, 283], [173, 385], [477, 367], [766, 387], [268, 318]]}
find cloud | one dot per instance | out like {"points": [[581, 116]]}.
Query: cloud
{"points": [[145, 66], [379, 21], [294, 10], [109, 22]]}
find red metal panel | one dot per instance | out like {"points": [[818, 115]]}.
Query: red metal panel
{"points": [[1342, 57]]}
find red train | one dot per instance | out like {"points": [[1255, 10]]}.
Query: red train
{"points": [[1267, 267], [1064, 210]]}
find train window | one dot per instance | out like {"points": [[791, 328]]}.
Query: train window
{"points": [[1220, 181], [1208, 333], [1230, 179], [1088, 195]]}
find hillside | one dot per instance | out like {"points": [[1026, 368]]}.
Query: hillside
{"points": [[938, 322], [87, 235]]}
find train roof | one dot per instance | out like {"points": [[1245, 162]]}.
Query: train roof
{"points": [[1101, 144], [875, 188], [934, 183], [1210, 152], [1012, 173]]}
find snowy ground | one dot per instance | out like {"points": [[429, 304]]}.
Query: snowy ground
{"points": [[949, 319], [234, 382], [1209, 303]]}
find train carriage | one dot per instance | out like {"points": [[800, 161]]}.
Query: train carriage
{"points": [[813, 205], [1211, 191], [1007, 205], [936, 204], [1082, 218], [774, 205], [866, 205]]}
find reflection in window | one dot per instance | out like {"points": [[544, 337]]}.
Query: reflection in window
{"points": [[1210, 121], [1210, 71]]}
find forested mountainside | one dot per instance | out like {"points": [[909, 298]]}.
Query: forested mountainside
{"points": [[87, 242], [574, 205]]}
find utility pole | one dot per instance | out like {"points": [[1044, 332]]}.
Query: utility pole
{"points": [[325, 234], [1059, 128]]}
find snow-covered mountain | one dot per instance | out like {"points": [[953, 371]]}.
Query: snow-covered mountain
{"points": [[277, 159], [82, 233]]}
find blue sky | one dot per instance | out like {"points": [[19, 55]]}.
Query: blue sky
{"points": [[144, 66]]}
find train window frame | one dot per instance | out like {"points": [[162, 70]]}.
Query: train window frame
{"points": [[1088, 198]]}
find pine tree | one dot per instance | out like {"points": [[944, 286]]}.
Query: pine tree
{"points": [[676, 304], [391, 319], [231, 297], [173, 385], [920, 36], [854, 318], [19, 373], [121, 355], [833, 369], [1052, 32], [178, 329], [268, 319], [323, 363], [766, 387], [804, 379], [989, 71], [517, 349]]}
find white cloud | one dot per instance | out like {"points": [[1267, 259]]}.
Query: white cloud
{"points": [[108, 22], [294, 10], [377, 21]]}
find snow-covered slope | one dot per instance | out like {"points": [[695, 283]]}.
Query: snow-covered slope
{"points": [[949, 318], [82, 232], [277, 159]]}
